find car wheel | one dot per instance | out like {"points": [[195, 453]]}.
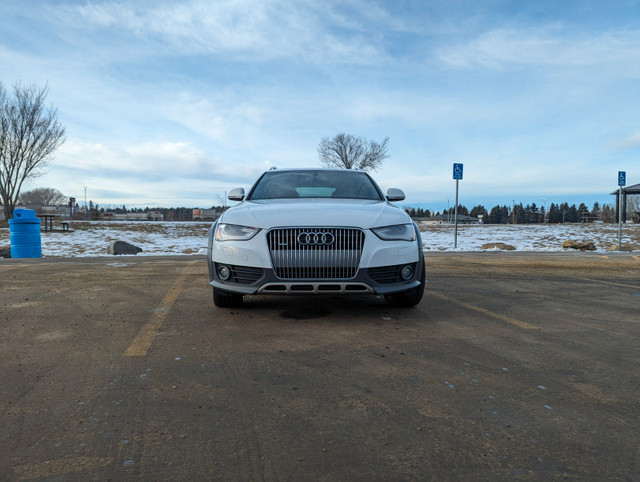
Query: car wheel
{"points": [[224, 299], [406, 299]]}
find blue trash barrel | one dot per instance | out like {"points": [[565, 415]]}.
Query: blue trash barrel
{"points": [[25, 234]]}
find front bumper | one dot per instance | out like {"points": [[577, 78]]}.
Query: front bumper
{"points": [[366, 281], [251, 272]]}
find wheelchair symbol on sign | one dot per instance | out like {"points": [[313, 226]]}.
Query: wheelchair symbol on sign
{"points": [[622, 178], [457, 171]]}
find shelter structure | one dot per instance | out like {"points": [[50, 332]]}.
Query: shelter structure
{"points": [[626, 191]]}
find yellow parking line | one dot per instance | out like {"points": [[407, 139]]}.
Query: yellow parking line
{"points": [[520, 324], [612, 283], [637, 258], [147, 333]]}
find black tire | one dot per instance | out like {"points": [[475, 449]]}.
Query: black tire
{"points": [[224, 299], [412, 297]]}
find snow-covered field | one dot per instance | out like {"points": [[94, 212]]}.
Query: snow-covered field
{"points": [[530, 237], [187, 238], [91, 238]]}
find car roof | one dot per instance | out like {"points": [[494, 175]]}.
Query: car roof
{"points": [[336, 169]]}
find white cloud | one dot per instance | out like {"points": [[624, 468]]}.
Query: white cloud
{"points": [[215, 117], [266, 29], [152, 160], [631, 142], [542, 46], [150, 173]]}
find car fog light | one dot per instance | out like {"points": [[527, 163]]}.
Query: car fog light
{"points": [[406, 273], [224, 273]]}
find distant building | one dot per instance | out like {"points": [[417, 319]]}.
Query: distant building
{"points": [[448, 219], [206, 214], [150, 216]]}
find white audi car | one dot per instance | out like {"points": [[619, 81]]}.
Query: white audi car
{"points": [[315, 231]]}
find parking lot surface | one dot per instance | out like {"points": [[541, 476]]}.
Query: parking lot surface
{"points": [[513, 366]]}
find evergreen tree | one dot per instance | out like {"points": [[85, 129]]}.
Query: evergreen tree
{"points": [[554, 215], [504, 215], [462, 210], [518, 214], [583, 212], [94, 211], [478, 211], [499, 215], [572, 215], [494, 215]]}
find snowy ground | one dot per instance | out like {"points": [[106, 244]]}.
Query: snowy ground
{"points": [[91, 238], [165, 238], [530, 237]]}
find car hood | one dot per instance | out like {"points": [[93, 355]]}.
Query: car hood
{"points": [[315, 212]]}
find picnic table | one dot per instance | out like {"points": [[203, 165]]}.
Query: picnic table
{"points": [[48, 221]]}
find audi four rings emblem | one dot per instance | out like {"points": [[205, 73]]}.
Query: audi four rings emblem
{"points": [[316, 239]]}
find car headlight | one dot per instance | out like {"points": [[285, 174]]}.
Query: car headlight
{"points": [[398, 232], [233, 232]]}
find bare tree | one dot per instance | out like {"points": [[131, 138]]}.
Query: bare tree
{"points": [[352, 152], [633, 207], [29, 134], [44, 196]]}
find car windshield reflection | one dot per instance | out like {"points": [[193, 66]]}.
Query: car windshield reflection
{"points": [[315, 184]]}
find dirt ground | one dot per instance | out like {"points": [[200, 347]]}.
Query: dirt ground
{"points": [[514, 366]]}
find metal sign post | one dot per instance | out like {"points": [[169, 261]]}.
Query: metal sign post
{"points": [[622, 181], [457, 175]]}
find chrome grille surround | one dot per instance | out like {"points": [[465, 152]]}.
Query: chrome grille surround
{"points": [[315, 252]]}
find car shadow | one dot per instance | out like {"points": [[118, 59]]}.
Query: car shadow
{"points": [[329, 309]]}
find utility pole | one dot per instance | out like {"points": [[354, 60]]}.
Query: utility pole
{"points": [[86, 207]]}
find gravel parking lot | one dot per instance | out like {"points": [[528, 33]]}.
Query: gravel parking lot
{"points": [[513, 366]]}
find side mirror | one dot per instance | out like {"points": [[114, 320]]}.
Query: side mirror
{"points": [[236, 194], [394, 194]]}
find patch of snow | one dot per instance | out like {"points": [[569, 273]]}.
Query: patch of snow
{"points": [[91, 238], [527, 237]]}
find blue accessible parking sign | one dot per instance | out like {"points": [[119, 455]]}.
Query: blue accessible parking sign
{"points": [[622, 178], [457, 171]]}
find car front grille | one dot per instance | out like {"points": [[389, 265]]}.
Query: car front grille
{"points": [[315, 253]]}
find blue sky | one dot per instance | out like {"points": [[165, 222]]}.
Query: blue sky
{"points": [[172, 103]]}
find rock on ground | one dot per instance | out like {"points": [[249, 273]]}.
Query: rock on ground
{"points": [[625, 247], [500, 246], [581, 245], [122, 247]]}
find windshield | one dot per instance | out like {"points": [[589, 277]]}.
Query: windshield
{"points": [[315, 184]]}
